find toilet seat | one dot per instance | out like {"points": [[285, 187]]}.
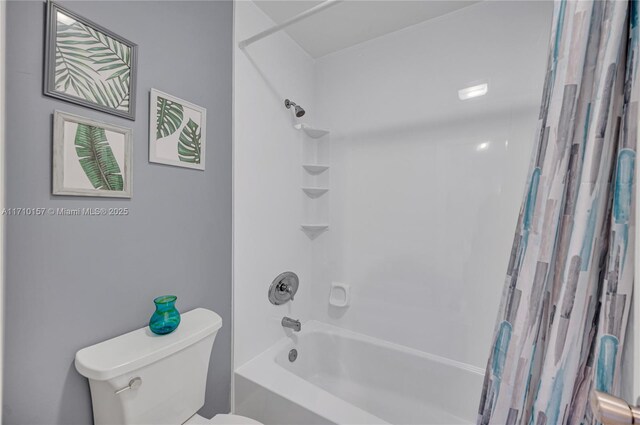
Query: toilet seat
{"points": [[222, 420]]}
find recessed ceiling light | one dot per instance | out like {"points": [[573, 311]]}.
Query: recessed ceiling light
{"points": [[473, 91], [482, 146]]}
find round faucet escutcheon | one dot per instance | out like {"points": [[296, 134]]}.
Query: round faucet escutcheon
{"points": [[283, 288]]}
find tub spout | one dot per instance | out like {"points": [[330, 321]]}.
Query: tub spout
{"points": [[290, 323]]}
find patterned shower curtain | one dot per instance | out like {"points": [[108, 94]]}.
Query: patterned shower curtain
{"points": [[562, 319]]}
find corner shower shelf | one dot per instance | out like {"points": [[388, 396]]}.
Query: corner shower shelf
{"points": [[315, 192], [315, 227], [313, 230], [315, 168], [314, 133]]}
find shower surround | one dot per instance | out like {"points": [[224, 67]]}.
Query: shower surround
{"points": [[424, 196]]}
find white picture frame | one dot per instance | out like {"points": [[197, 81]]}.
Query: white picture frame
{"points": [[177, 131], [76, 169]]}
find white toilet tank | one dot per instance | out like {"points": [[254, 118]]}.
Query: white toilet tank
{"points": [[172, 372]]}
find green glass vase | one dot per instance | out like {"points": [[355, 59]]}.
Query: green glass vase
{"points": [[166, 318]]}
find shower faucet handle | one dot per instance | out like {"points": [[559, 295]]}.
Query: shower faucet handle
{"points": [[283, 288]]}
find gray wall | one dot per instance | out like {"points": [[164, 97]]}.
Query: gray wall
{"points": [[74, 281]]}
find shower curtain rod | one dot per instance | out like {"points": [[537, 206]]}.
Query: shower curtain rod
{"points": [[322, 6]]}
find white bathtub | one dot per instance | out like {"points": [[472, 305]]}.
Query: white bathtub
{"points": [[342, 377]]}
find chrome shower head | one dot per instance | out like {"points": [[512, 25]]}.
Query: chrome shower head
{"points": [[298, 109]]}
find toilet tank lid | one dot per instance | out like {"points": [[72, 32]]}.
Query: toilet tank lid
{"points": [[142, 347]]}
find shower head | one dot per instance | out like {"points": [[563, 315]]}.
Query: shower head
{"points": [[298, 109]]}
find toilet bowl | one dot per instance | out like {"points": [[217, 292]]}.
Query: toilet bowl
{"points": [[143, 378]]}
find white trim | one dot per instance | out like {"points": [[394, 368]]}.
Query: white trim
{"points": [[3, 26], [232, 387]]}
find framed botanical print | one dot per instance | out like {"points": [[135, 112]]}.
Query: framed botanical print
{"points": [[177, 131], [90, 158], [89, 65]]}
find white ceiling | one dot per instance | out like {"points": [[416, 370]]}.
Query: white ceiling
{"points": [[353, 21]]}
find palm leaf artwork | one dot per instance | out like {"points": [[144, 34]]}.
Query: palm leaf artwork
{"points": [[168, 117], [97, 159], [91, 65], [189, 143]]}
